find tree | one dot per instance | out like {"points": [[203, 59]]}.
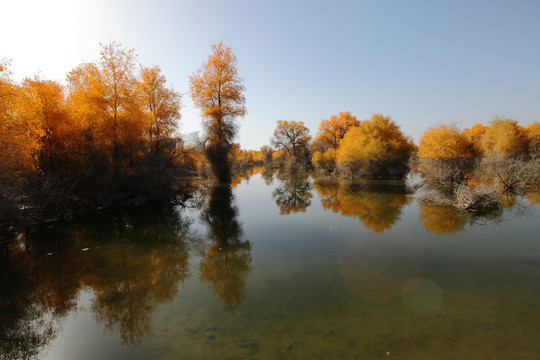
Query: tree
{"points": [[87, 140], [293, 136], [444, 153], [161, 106], [45, 102], [331, 131], [266, 152], [475, 136], [106, 100], [123, 122], [377, 146], [533, 137], [330, 134], [217, 90], [504, 137], [19, 128], [444, 142], [326, 160], [161, 110]]}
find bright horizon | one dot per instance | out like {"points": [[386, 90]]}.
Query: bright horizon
{"points": [[421, 62]]}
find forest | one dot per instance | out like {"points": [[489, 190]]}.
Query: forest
{"points": [[109, 137]]}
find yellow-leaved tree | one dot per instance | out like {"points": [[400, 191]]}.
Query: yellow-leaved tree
{"points": [[45, 103], [533, 138], [375, 148], [475, 135], [105, 104], [331, 132], [20, 129], [161, 111], [218, 91], [444, 142], [504, 137], [445, 153]]}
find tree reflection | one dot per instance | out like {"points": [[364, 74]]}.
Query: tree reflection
{"points": [[139, 269], [377, 204], [293, 193], [441, 220], [131, 262], [226, 261], [534, 197], [36, 292]]}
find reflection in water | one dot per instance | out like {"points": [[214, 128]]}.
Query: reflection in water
{"points": [[226, 261], [266, 172], [534, 197], [132, 263], [441, 220], [316, 296], [377, 204], [293, 193], [137, 271], [268, 175], [34, 296]]}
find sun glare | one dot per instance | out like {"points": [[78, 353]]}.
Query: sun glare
{"points": [[44, 36]]}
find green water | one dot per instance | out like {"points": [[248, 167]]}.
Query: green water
{"points": [[278, 268]]}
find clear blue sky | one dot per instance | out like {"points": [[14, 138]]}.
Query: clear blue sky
{"points": [[421, 62]]}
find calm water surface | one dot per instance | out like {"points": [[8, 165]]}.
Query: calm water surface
{"points": [[278, 268]]}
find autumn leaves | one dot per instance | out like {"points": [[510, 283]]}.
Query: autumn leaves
{"points": [[112, 115], [374, 148], [217, 90]]}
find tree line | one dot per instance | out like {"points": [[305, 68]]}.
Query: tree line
{"points": [[111, 134]]}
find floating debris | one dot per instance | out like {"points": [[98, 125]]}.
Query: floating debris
{"points": [[85, 249]]}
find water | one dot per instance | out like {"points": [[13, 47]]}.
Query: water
{"points": [[278, 268]]}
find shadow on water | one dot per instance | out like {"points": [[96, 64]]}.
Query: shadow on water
{"points": [[226, 260]]}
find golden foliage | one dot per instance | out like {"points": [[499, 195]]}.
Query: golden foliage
{"points": [[475, 135], [104, 102], [20, 127], [331, 131], [217, 90], [533, 137], [377, 147], [47, 105], [161, 105], [504, 136], [326, 159], [374, 140], [444, 142]]}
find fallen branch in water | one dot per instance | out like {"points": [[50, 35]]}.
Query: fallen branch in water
{"points": [[464, 197]]}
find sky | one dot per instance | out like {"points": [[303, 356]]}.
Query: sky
{"points": [[421, 62]]}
